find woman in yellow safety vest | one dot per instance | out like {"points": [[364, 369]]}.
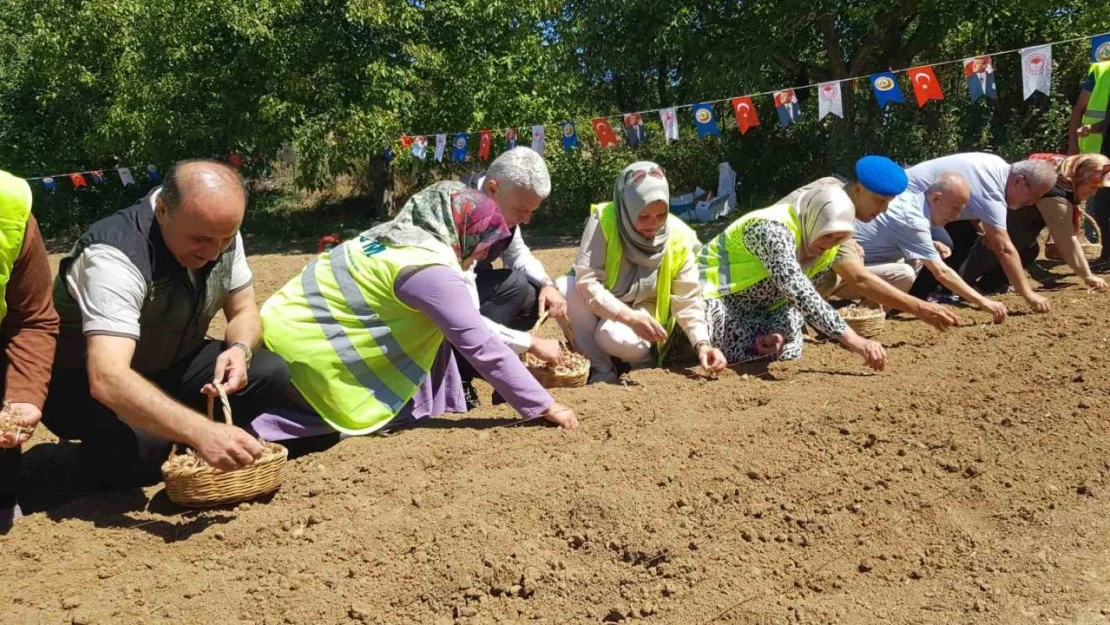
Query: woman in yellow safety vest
{"points": [[363, 327], [758, 278], [635, 278]]}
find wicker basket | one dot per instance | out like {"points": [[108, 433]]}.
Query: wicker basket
{"points": [[1091, 249], [867, 322], [191, 482], [573, 373]]}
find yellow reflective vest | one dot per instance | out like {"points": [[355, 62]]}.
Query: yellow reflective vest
{"points": [[15, 209], [1096, 108]]}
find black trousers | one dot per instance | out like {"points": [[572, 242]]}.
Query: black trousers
{"points": [[1099, 207], [112, 453], [964, 238], [982, 269], [504, 296]]}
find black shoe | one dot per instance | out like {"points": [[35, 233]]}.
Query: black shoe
{"points": [[471, 396]]}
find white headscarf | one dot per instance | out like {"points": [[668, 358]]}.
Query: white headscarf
{"points": [[824, 210], [640, 184]]}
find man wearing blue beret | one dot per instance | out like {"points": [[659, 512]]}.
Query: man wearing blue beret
{"points": [[878, 180]]}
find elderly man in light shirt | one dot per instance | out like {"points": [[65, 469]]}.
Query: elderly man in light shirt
{"points": [[898, 243], [513, 297], [996, 186]]}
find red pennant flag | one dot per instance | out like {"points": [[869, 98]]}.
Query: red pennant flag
{"points": [[406, 142], [78, 181], [605, 135], [745, 113], [484, 141], [235, 160], [925, 85]]}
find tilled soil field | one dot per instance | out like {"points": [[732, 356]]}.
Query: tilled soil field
{"points": [[967, 483]]}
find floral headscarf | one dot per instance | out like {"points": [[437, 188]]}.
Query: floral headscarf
{"points": [[449, 213]]}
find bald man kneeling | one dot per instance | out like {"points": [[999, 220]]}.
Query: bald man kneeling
{"points": [[134, 365]]}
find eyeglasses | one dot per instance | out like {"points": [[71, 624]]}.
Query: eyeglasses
{"points": [[640, 175]]}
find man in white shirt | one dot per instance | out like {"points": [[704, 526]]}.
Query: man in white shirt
{"points": [[134, 365], [996, 186], [512, 298], [899, 242]]}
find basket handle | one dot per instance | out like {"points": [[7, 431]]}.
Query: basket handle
{"points": [[564, 325], [211, 400]]}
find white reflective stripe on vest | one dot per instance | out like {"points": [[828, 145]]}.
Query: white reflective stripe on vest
{"points": [[341, 343]]}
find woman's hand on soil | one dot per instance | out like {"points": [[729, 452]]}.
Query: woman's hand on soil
{"points": [[561, 416]]}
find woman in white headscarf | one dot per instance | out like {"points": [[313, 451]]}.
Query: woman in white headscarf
{"points": [[635, 278], [758, 279]]}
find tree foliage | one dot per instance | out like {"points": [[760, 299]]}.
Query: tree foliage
{"points": [[88, 84]]}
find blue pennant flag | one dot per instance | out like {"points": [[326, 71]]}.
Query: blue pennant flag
{"points": [[387, 154], [705, 120], [1100, 48], [153, 174], [570, 135], [97, 177], [886, 89], [458, 154], [979, 72], [49, 183]]}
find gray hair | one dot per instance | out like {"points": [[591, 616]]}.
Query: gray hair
{"points": [[1039, 174], [521, 168], [947, 182]]}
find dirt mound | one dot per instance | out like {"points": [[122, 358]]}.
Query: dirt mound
{"points": [[968, 483]]}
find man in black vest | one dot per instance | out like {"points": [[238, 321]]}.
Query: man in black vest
{"points": [[133, 365]]}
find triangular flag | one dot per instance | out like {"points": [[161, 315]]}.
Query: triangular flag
{"points": [[634, 127], [235, 160], [925, 85], [510, 138], [705, 120], [1036, 70], [153, 174], [1100, 48], [670, 123], [605, 136], [78, 181], [97, 177], [462, 141], [441, 146], [485, 140], [979, 72], [830, 100], [420, 147], [786, 102], [886, 89], [537, 139], [125, 176], [570, 135], [49, 183], [746, 116], [406, 142]]}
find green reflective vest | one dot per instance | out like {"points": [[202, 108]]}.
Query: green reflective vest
{"points": [[726, 266], [15, 209], [681, 241], [355, 351], [1096, 108]]}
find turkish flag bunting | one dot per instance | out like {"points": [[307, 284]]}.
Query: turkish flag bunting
{"points": [[78, 181], [925, 85], [745, 113], [605, 136], [485, 139], [406, 141]]}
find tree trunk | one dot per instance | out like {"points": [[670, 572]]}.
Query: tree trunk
{"points": [[381, 189]]}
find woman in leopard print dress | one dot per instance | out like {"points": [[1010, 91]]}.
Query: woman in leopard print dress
{"points": [[747, 326]]}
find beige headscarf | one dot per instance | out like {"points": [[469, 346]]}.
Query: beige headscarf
{"points": [[824, 210]]}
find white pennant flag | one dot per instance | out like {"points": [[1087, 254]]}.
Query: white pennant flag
{"points": [[125, 176], [537, 139], [670, 123], [441, 143], [1036, 70], [829, 100]]}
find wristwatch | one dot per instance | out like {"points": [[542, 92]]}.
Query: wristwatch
{"points": [[246, 350]]}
